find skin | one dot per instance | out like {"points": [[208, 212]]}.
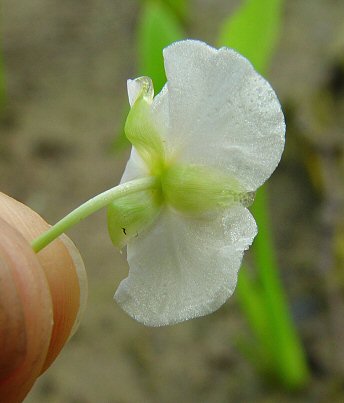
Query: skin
{"points": [[39, 298]]}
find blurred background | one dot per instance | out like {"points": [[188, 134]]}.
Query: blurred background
{"points": [[65, 66]]}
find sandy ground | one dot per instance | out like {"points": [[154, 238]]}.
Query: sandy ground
{"points": [[67, 63]]}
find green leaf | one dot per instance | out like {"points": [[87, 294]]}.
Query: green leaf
{"points": [[253, 31], [177, 7], [158, 27]]}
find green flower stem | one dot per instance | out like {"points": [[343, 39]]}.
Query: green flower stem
{"points": [[90, 207], [282, 335], [280, 351]]}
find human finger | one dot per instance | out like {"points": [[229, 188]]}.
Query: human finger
{"points": [[64, 270], [26, 316]]}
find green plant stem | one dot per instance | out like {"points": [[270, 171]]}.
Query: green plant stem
{"points": [[90, 207], [253, 30], [284, 341]]}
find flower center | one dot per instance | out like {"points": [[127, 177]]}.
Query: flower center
{"points": [[189, 188]]}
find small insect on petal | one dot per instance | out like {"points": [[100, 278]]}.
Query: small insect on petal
{"points": [[129, 215]]}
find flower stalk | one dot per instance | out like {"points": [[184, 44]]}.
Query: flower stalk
{"points": [[90, 207]]}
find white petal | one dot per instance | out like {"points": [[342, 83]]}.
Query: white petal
{"points": [[184, 267], [222, 112], [160, 112], [135, 168]]}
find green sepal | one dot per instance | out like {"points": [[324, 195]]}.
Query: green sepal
{"points": [[195, 189], [131, 214], [140, 129]]}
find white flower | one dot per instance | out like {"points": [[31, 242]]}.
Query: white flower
{"points": [[212, 136]]}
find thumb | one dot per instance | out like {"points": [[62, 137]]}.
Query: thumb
{"points": [[25, 316], [63, 268]]}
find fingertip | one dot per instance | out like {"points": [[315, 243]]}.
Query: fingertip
{"points": [[82, 276], [26, 316], [64, 270]]}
